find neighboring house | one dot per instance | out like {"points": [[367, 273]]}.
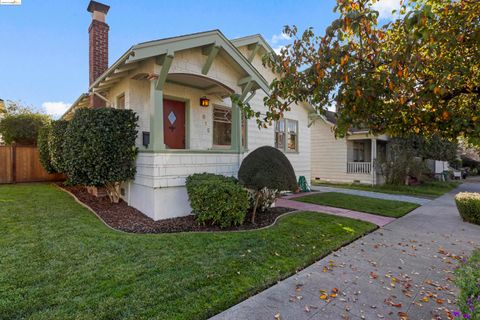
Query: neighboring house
{"points": [[165, 82], [351, 159]]}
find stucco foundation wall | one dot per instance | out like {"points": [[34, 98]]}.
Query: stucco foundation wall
{"points": [[329, 156]]}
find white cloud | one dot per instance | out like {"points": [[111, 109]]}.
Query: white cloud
{"points": [[276, 38], [278, 49], [385, 8], [55, 109]]}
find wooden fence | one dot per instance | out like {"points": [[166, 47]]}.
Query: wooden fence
{"points": [[22, 164]]}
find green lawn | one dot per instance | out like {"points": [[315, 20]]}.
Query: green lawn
{"points": [[58, 261], [388, 208], [428, 189]]}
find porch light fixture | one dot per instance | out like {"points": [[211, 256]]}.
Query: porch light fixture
{"points": [[204, 101]]}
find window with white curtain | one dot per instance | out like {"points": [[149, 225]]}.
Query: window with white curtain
{"points": [[286, 134]]}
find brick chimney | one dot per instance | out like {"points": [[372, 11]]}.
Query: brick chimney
{"points": [[98, 46]]}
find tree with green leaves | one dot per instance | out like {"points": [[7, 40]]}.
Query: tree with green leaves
{"points": [[22, 128], [418, 74]]}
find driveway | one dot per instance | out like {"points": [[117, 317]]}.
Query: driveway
{"points": [[401, 271]]}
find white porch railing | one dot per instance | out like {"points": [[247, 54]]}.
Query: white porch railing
{"points": [[359, 167]]}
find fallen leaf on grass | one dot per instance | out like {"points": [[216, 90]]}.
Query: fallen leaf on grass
{"points": [[323, 297], [403, 315], [277, 316], [425, 299]]}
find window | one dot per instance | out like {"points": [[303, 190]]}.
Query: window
{"points": [[286, 134], [121, 101], [280, 134], [358, 152], [292, 130], [222, 126]]}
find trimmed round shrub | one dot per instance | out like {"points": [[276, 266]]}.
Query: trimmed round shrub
{"points": [[99, 148], [43, 148], [55, 143], [266, 168], [468, 204], [217, 200]]}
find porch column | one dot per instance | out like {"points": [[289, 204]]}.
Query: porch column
{"points": [[236, 128], [156, 118], [373, 159]]}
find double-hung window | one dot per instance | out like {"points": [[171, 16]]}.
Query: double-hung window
{"points": [[222, 127], [286, 135], [358, 152]]}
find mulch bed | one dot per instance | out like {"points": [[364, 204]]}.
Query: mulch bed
{"points": [[122, 217]]}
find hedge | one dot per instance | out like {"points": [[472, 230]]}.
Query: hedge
{"points": [[99, 148], [217, 200], [55, 143], [468, 281], [43, 148], [468, 204]]}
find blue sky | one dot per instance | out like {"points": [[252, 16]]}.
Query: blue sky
{"points": [[44, 43]]}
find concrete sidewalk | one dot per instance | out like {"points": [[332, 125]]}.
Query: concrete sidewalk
{"points": [[371, 194], [402, 270]]}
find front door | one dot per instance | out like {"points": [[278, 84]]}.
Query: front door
{"points": [[174, 124]]}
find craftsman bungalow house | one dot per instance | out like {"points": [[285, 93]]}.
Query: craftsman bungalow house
{"points": [[180, 87]]}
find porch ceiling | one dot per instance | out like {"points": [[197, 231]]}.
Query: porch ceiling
{"points": [[210, 86]]}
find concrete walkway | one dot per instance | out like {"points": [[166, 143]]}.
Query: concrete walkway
{"points": [[371, 194], [402, 271], [288, 202]]}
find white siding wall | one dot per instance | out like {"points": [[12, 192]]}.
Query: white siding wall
{"points": [[329, 156]]}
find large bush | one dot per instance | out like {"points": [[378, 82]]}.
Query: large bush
{"points": [[99, 148], [43, 148], [267, 167], [468, 281], [22, 128], [216, 199], [468, 204], [55, 143]]}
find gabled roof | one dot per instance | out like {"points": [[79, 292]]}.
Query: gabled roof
{"points": [[331, 118], [168, 46], [251, 40]]}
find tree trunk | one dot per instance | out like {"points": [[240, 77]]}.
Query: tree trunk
{"points": [[113, 191], [255, 207]]}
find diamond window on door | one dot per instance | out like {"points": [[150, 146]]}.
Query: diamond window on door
{"points": [[172, 117]]}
